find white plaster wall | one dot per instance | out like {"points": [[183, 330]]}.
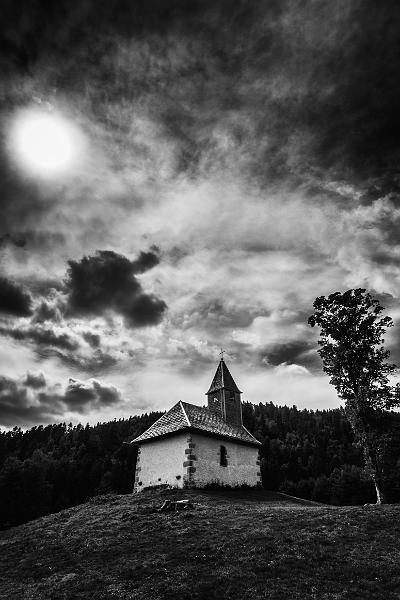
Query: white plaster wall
{"points": [[242, 465], [161, 461]]}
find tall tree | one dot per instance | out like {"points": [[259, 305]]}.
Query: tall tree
{"points": [[353, 354]]}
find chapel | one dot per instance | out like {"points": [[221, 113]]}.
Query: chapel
{"points": [[194, 446]]}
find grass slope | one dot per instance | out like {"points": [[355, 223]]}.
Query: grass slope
{"points": [[230, 545]]}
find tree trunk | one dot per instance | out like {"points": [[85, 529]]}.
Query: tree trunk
{"points": [[364, 428], [380, 496]]}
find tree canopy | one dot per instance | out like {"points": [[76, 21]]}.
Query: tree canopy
{"points": [[351, 347], [353, 355]]}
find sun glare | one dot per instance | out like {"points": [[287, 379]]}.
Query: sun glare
{"points": [[44, 143]]}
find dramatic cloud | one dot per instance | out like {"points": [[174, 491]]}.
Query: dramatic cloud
{"points": [[18, 406], [79, 322], [93, 339], [79, 395], [41, 335], [297, 351], [49, 309], [35, 381], [73, 343], [274, 88], [106, 281], [252, 147], [13, 299], [145, 261], [370, 248], [33, 400]]}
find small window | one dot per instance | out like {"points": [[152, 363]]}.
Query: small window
{"points": [[231, 396], [223, 461]]}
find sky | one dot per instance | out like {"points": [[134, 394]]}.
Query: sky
{"points": [[180, 177]]}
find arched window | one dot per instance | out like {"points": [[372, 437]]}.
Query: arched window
{"points": [[223, 461]]}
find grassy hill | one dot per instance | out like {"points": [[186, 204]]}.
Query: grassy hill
{"points": [[230, 545]]}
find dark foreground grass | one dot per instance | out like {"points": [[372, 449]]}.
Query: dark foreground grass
{"points": [[238, 545]]}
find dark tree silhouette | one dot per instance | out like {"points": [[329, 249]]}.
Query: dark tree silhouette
{"points": [[353, 354]]}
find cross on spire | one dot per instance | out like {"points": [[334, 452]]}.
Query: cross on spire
{"points": [[222, 354]]}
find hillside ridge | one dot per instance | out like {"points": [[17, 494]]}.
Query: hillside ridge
{"points": [[229, 545]]}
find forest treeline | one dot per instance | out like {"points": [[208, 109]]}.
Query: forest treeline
{"points": [[305, 453]]}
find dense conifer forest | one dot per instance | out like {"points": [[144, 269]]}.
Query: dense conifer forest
{"points": [[305, 453]]}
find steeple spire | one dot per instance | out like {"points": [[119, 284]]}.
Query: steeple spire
{"points": [[224, 395], [223, 379]]}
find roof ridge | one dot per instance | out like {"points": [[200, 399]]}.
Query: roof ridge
{"points": [[159, 418], [196, 405], [153, 427], [247, 431], [184, 412]]}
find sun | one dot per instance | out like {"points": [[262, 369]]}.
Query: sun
{"points": [[45, 143]]}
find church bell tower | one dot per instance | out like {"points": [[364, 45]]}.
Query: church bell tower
{"points": [[224, 396]]}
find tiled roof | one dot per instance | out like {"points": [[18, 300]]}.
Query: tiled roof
{"points": [[223, 379], [203, 419], [183, 416]]}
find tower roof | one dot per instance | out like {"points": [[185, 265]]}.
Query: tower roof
{"points": [[223, 379]]}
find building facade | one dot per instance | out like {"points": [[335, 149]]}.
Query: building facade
{"points": [[193, 446]]}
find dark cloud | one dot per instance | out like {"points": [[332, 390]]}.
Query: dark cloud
{"points": [[41, 335], [35, 381], [290, 90], [106, 281], [298, 85], [12, 239], [99, 282], [13, 299], [96, 364], [22, 45], [66, 344], [18, 407], [79, 395], [145, 261], [217, 314], [143, 310], [93, 339], [51, 335], [33, 400], [298, 352]]}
